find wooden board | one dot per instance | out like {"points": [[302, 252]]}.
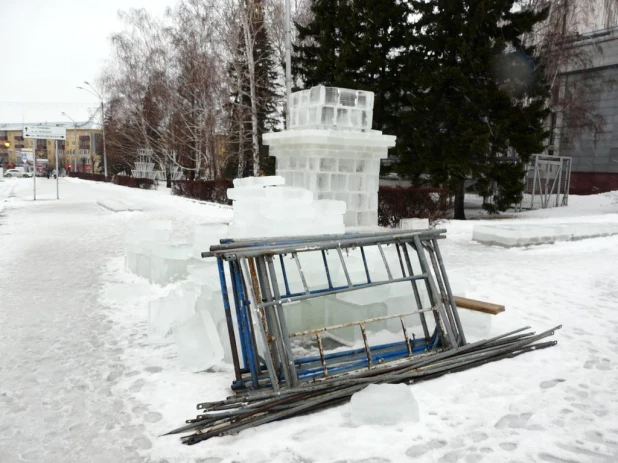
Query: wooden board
{"points": [[478, 306]]}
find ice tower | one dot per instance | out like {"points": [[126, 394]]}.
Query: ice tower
{"points": [[331, 150]]}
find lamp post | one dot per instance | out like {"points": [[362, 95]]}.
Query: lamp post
{"points": [[74, 136], [98, 95]]}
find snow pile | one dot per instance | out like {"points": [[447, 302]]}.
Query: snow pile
{"points": [[531, 234], [384, 404], [264, 207]]}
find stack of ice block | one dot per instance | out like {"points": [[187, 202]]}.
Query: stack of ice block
{"points": [[332, 150], [331, 108], [265, 207]]}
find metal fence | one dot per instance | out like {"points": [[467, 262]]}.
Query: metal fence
{"points": [[547, 182]]}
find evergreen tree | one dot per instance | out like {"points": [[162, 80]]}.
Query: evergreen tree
{"points": [[477, 99], [356, 44]]}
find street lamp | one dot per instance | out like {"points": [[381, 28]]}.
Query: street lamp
{"points": [[98, 95], [74, 136]]}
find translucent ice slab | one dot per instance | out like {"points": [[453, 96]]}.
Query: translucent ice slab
{"points": [[199, 345], [414, 224], [166, 313], [207, 234], [270, 193], [168, 262], [258, 181], [531, 234], [384, 404]]}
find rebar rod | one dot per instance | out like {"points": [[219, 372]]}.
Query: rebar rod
{"points": [[318, 400]]}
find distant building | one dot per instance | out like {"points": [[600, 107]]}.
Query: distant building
{"points": [[595, 155], [81, 150]]}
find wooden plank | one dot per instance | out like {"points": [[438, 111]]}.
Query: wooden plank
{"points": [[478, 306]]}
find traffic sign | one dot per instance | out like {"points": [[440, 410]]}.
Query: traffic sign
{"points": [[45, 132]]}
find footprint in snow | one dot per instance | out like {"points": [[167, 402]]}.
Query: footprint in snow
{"points": [[513, 421], [551, 383], [421, 449]]}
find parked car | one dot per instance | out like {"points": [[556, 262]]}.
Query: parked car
{"points": [[27, 174], [14, 173]]}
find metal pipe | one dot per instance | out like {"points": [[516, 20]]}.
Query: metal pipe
{"points": [[286, 406], [257, 321], [289, 356], [228, 319], [449, 292]]}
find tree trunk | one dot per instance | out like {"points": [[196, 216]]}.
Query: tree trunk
{"points": [[168, 173], [459, 212], [241, 129], [252, 87]]}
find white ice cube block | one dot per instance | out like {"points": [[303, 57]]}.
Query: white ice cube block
{"points": [[384, 404], [258, 181], [199, 345], [414, 224], [324, 207], [270, 193]]}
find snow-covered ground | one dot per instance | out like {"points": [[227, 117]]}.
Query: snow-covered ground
{"points": [[79, 381]]}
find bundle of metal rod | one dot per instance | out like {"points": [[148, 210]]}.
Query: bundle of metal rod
{"points": [[245, 411], [267, 360]]}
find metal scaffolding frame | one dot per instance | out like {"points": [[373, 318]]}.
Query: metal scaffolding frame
{"points": [[259, 297]]}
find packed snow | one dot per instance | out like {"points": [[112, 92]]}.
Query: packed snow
{"points": [[81, 380]]}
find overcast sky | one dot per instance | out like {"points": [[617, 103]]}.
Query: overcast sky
{"points": [[49, 47]]}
